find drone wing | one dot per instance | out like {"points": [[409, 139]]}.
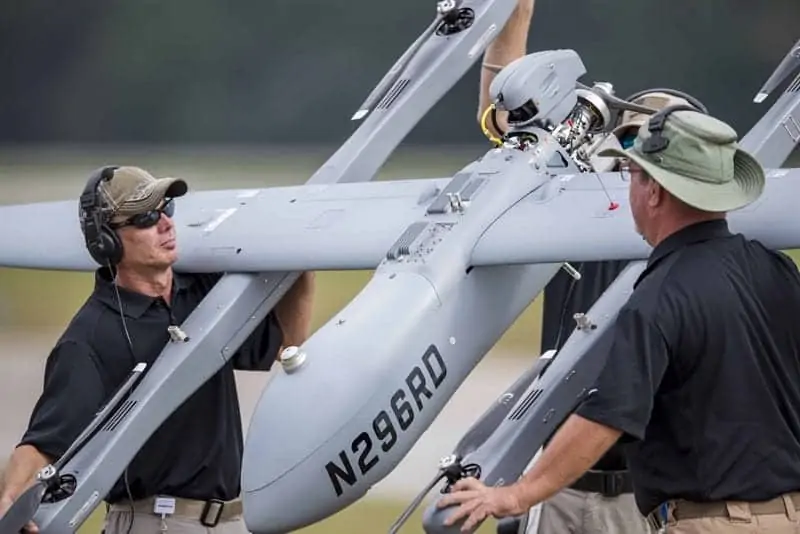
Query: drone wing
{"points": [[308, 227], [354, 225], [571, 220]]}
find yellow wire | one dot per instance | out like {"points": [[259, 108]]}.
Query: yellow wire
{"points": [[496, 140]]}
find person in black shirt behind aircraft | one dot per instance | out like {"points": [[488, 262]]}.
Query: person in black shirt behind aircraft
{"points": [[601, 501], [193, 460], [703, 367]]}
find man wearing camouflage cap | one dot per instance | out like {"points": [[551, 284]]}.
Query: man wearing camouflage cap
{"points": [[191, 465], [703, 360]]}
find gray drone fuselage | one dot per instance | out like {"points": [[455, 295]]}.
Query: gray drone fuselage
{"points": [[442, 316], [381, 370]]}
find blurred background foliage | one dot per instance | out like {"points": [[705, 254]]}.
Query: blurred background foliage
{"points": [[294, 71]]}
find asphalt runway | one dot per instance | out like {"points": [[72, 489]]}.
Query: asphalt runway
{"points": [[22, 359]]}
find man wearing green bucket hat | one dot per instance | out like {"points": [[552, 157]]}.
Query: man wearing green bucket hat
{"points": [[701, 381], [694, 158]]}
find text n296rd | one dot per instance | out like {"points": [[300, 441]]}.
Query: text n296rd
{"points": [[383, 433]]}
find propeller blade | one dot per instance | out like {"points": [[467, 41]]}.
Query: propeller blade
{"points": [[23, 509]]}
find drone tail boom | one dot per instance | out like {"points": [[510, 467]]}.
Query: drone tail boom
{"points": [[502, 458], [416, 82]]}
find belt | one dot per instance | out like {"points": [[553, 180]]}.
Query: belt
{"points": [[694, 510], [607, 483], [209, 513]]}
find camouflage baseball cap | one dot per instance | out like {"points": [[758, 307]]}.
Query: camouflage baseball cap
{"points": [[653, 99], [702, 165], [133, 190]]}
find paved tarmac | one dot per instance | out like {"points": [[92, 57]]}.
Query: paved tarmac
{"points": [[22, 360]]}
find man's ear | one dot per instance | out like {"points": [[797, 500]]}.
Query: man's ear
{"points": [[656, 195]]}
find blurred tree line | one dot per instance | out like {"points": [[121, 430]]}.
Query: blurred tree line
{"points": [[294, 71]]}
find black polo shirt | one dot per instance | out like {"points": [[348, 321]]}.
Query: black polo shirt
{"points": [[196, 453], [703, 373], [563, 298]]}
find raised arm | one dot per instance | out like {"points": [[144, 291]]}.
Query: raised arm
{"points": [[510, 44], [289, 324], [294, 311]]}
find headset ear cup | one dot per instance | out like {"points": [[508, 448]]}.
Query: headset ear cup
{"points": [[106, 248], [112, 245]]}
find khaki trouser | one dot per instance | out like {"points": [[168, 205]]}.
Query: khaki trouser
{"points": [[185, 520], [777, 516], [577, 512]]}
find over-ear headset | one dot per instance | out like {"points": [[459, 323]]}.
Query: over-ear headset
{"points": [[694, 101], [657, 142], [102, 242]]}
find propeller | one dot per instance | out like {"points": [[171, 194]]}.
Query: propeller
{"points": [[50, 484], [450, 467]]}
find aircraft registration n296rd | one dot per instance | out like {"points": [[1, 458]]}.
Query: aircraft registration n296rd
{"points": [[456, 260]]}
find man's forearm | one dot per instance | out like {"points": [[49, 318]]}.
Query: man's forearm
{"points": [[21, 470], [510, 44], [293, 312], [575, 448]]}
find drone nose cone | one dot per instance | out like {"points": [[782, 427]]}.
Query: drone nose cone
{"points": [[303, 407]]}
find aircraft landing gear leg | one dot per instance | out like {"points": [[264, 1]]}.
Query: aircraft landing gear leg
{"points": [[450, 468]]}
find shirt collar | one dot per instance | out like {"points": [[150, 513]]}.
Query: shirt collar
{"points": [[689, 235], [134, 304]]}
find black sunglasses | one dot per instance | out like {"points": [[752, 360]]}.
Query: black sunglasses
{"points": [[150, 218]]}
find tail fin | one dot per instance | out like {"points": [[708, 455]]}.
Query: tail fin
{"points": [[774, 137]]}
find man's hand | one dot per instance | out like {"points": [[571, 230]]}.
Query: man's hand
{"points": [[5, 503], [20, 474], [477, 502]]}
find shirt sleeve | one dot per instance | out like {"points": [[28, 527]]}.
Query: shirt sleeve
{"points": [[72, 394], [626, 386], [260, 350]]}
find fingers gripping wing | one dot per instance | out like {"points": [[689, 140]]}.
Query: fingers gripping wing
{"points": [[570, 220]]}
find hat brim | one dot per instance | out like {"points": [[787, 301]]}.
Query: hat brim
{"points": [[747, 184], [152, 196]]}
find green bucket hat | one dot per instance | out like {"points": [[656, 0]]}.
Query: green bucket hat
{"points": [[702, 163]]}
